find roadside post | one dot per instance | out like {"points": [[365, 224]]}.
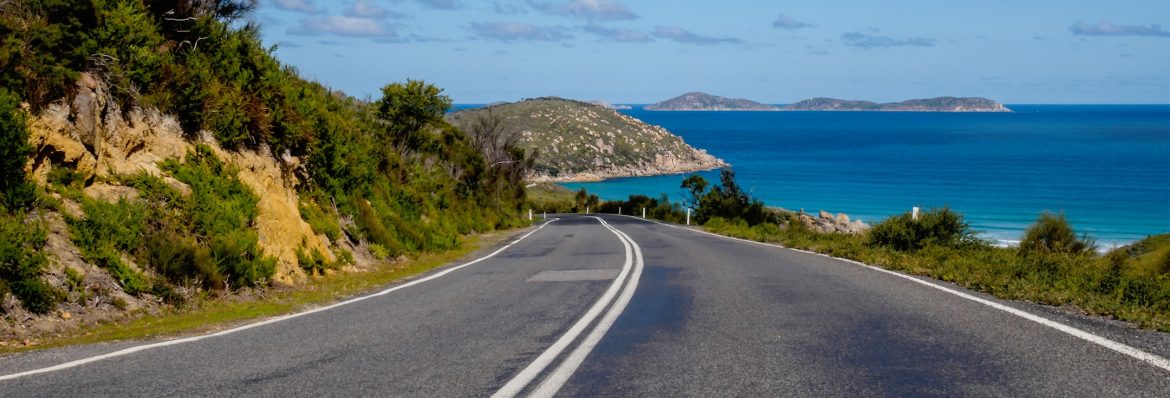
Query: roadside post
{"points": [[529, 214], [688, 216], [643, 212]]}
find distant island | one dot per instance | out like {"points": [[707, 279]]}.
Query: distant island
{"points": [[938, 104], [706, 102], [584, 141], [697, 101]]}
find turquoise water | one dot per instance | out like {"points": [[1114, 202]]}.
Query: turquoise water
{"points": [[1106, 167]]}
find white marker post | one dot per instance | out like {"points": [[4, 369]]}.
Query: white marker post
{"points": [[529, 214], [688, 216], [914, 213], [619, 211], [643, 212], [586, 209], [544, 215]]}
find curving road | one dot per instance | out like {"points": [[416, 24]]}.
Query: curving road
{"points": [[617, 306]]}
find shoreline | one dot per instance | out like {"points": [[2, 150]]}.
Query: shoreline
{"points": [[593, 177]]}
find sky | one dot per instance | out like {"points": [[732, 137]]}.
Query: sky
{"points": [[644, 51]]}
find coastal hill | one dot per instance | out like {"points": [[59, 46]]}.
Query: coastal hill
{"points": [[581, 141], [939, 104], [706, 102]]}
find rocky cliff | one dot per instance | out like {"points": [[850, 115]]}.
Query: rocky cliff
{"points": [[580, 141], [706, 102]]}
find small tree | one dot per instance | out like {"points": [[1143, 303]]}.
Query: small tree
{"points": [[694, 187], [407, 108]]}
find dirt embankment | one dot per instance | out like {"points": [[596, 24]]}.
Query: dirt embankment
{"points": [[99, 141]]}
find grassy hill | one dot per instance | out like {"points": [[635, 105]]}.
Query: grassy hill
{"points": [[582, 141]]}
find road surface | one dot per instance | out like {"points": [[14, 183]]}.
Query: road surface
{"points": [[615, 306]]}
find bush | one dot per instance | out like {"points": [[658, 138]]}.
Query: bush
{"points": [[726, 200], [108, 230], [15, 190], [321, 221], [182, 260], [1051, 233], [22, 263], [938, 227], [313, 262]]}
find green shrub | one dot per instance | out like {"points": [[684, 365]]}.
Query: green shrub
{"points": [[108, 230], [1051, 233], [321, 221], [314, 263], [941, 227], [373, 229], [379, 252], [22, 263], [15, 190], [239, 259], [182, 260]]}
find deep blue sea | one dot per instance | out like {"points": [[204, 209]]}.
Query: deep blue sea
{"points": [[1106, 167]]}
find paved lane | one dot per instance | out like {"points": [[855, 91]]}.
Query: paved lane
{"points": [[717, 317], [463, 334]]}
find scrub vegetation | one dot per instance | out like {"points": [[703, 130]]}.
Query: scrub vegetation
{"points": [[387, 176]]}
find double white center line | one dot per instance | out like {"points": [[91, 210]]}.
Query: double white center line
{"points": [[632, 268]]}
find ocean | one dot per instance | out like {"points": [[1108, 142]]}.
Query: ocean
{"points": [[1106, 167]]}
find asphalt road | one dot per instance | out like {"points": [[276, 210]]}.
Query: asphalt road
{"points": [[579, 309]]}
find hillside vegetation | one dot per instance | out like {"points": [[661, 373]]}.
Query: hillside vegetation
{"points": [[175, 158], [583, 141]]}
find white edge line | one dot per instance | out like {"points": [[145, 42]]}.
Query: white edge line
{"points": [[565, 370], [269, 321], [1122, 348], [521, 381]]}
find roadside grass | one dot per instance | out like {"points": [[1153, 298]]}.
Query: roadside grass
{"points": [[215, 314], [1133, 287], [550, 198]]}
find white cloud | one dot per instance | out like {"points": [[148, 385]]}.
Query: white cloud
{"points": [[369, 10], [868, 41], [680, 35], [1105, 28], [593, 10], [304, 6], [619, 35], [513, 31], [786, 22], [344, 26]]}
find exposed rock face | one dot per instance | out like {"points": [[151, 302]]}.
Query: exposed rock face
{"points": [[826, 223], [938, 104], [706, 102], [579, 141], [91, 136]]}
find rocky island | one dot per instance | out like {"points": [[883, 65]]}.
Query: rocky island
{"points": [[938, 104], [697, 101], [706, 102], [581, 141]]}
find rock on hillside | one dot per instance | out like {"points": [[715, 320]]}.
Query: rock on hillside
{"points": [[938, 104], [580, 141], [706, 102]]}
